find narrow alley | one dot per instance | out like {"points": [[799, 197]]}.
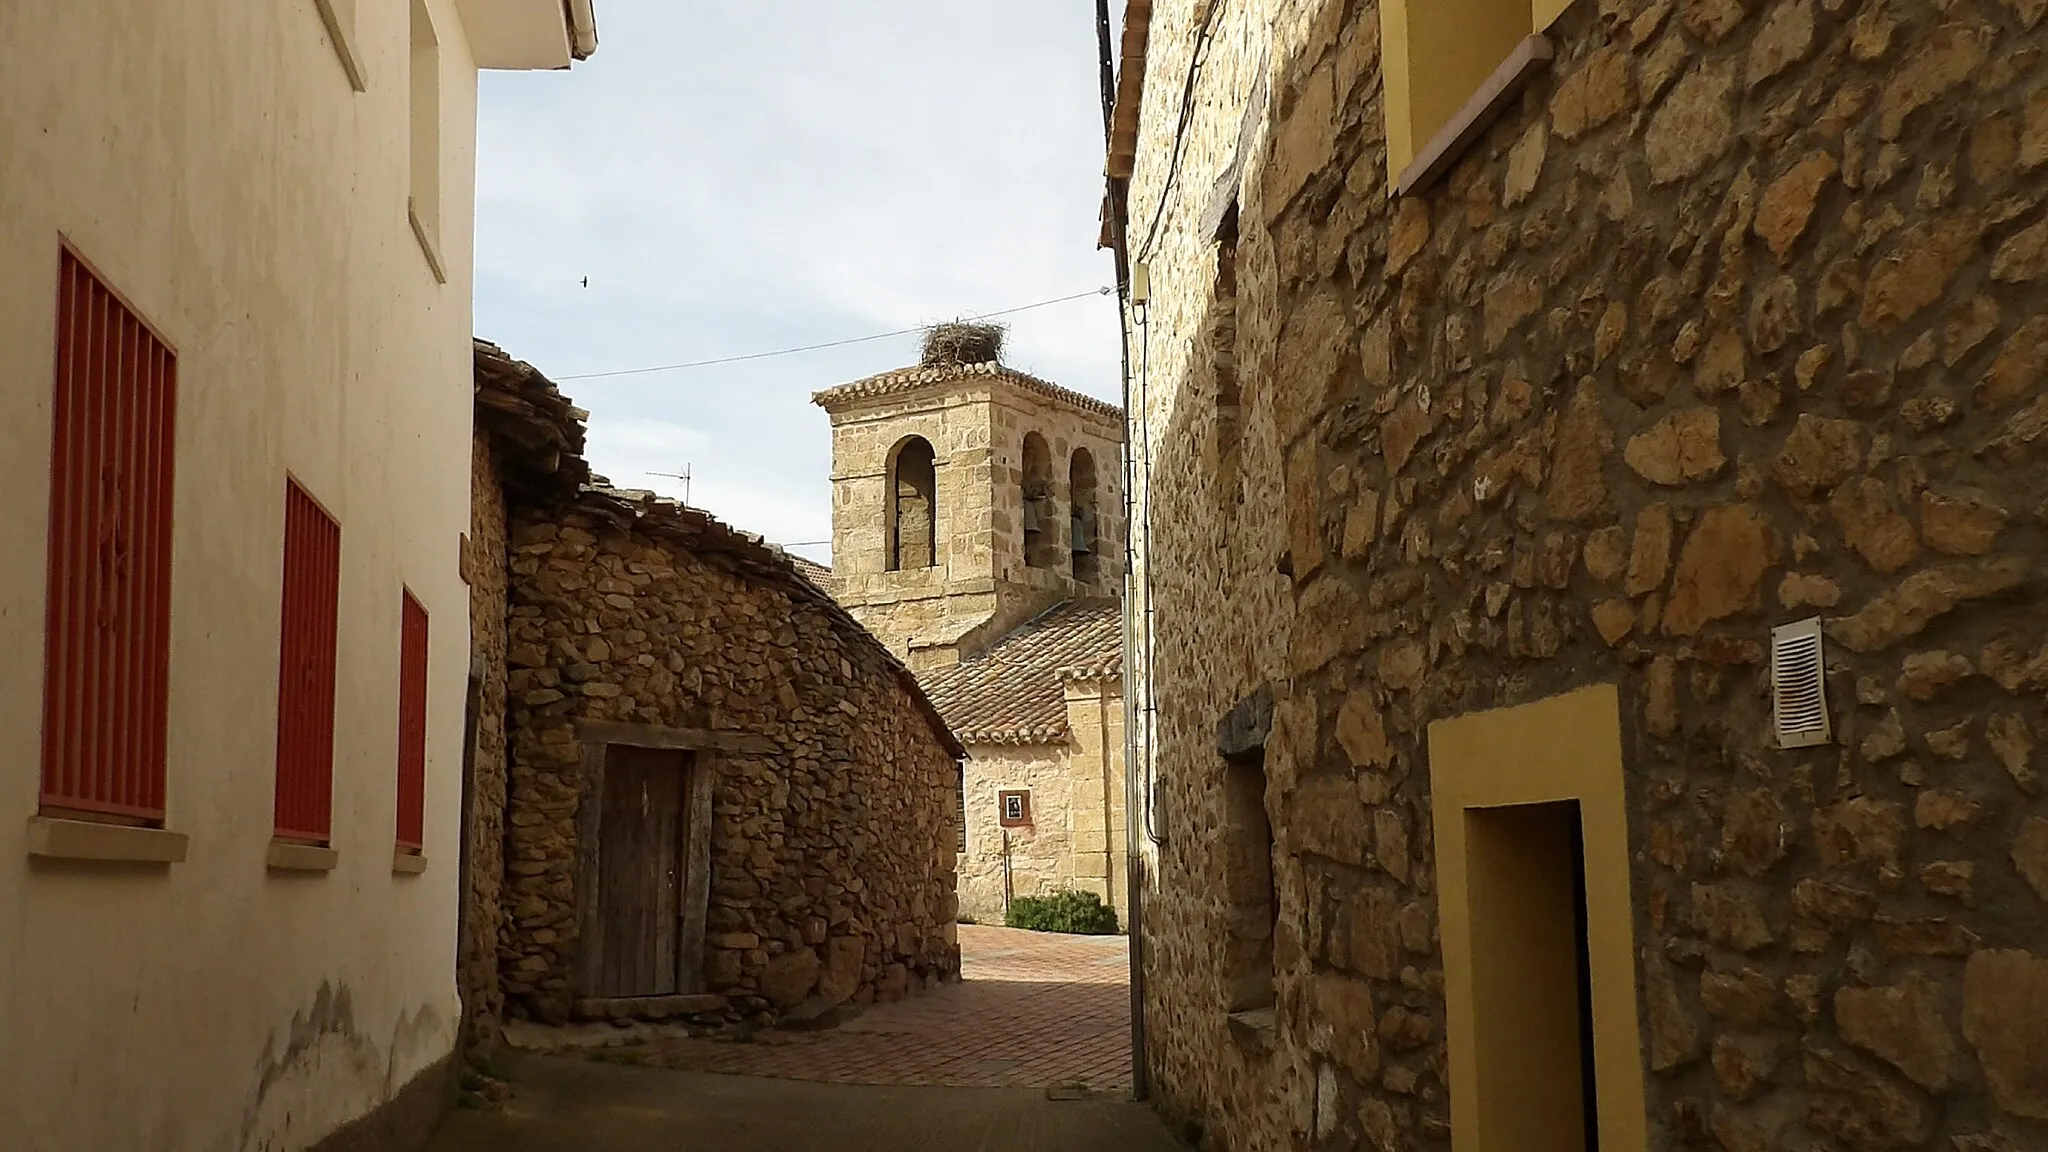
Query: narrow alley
{"points": [[1031, 1050]]}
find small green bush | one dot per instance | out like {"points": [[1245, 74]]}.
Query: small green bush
{"points": [[1075, 913]]}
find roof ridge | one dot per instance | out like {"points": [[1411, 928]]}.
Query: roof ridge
{"points": [[916, 376]]}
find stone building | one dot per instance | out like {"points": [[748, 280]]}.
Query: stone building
{"points": [[718, 796], [957, 492], [1510, 383], [235, 332], [1041, 714], [978, 529]]}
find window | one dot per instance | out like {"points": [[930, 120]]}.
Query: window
{"points": [[106, 664], [1448, 66], [305, 679], [1250, 889], [961, 771], [1531, 825], [1222, 348], [914, 507], [425, 204], [340, 18], [1084, 543], [1041, 509], [412, 725]]}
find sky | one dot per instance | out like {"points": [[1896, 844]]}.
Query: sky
{"points": [[736, 178]]}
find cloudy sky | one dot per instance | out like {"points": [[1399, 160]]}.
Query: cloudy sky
{"points": [[737, 178]]}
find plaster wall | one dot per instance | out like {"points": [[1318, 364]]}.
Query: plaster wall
{"points": [[213, 161]]}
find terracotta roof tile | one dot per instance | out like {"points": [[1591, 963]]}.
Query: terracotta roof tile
{"points": [[1015, 693], [909, 379]]}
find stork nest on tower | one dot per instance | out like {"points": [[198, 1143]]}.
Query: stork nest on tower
{"points": [[961, 342]]}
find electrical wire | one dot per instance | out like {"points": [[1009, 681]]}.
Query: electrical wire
{"points": [[829, 343]]}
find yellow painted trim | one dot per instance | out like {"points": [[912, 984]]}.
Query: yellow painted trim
{"points": [[1463, 58], [1564, 748], [1394, 54]]}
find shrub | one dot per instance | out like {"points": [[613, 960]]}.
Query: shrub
{"points": [[1076, 913]]}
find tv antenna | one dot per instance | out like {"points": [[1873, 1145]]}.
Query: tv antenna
{"points": [[684, 476]]}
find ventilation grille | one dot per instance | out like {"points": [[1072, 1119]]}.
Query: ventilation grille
{"points": [[1799, 702]]}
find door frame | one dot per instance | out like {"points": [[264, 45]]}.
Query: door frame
{"points": [[700, 768]]}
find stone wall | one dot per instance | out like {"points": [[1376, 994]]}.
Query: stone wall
{"points": [[1041, 857], [483, 569], [1076, 840], [1733, 318], [834, 831]]}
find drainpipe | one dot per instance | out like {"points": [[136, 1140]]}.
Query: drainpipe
{"points": [[1134, 862]]}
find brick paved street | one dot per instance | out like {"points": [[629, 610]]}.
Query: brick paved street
{"points": [[965, 1069], [1034, 1010]]}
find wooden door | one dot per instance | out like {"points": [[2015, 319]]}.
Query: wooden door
{"points": [[640, 873]]}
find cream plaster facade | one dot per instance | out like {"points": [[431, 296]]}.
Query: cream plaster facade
{"points": [[976, 418], [1076, 836], [242, 179]]}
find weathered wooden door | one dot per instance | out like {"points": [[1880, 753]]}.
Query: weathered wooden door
{"points": [[641, 872]]}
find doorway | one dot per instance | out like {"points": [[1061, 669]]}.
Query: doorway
{"points": [[648, 864]]}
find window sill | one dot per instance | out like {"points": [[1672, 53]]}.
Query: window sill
{"points": [[1257, 1028], [288, 857], [51, 838], [405, 863], [1529, 57], [428, 243], [344, 44]]}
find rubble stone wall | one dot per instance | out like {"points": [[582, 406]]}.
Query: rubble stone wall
{"points": [[832, 850], [483, 568], [1734, 317]]}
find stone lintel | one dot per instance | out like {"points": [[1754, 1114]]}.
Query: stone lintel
{"points": [[686, 739], [1243, 731]]}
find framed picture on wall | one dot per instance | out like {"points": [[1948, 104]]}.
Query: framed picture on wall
{"points": [[1013, 808]]}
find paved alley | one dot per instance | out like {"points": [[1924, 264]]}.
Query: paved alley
{"points": [[592, 1106], [1033, 1010], [966, 1067]]}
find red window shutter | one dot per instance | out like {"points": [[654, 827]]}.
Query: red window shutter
{"points": [[412, 725], [106, 667], [305, 679]]}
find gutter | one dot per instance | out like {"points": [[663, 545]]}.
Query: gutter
{"points": [[582, 28], [1134, 860]]}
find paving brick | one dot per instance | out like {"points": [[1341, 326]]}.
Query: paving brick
{"points": [[1032, 1010]]}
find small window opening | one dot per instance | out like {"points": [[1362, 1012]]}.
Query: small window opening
{"points": [[1084, 542], [960, 770], [1041, 508], [425, 202], [1222, 352], [913, 518], [1251, 888], [1533, 976]]}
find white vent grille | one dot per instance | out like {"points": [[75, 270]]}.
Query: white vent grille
{"points": [[1799, 703]]}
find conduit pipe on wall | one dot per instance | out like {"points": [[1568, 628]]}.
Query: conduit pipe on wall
{"points": [[1134, 860]]}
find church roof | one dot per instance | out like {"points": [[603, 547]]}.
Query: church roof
{"points": [[1015, 692], [924, 375]]}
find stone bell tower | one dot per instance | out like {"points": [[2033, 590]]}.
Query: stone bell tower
{"points": [[967, 497]]}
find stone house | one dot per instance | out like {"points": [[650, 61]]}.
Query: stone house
{"points": [[235, 338], [978, 529], [1041, 716], [1592, 534], [699, 787]]}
